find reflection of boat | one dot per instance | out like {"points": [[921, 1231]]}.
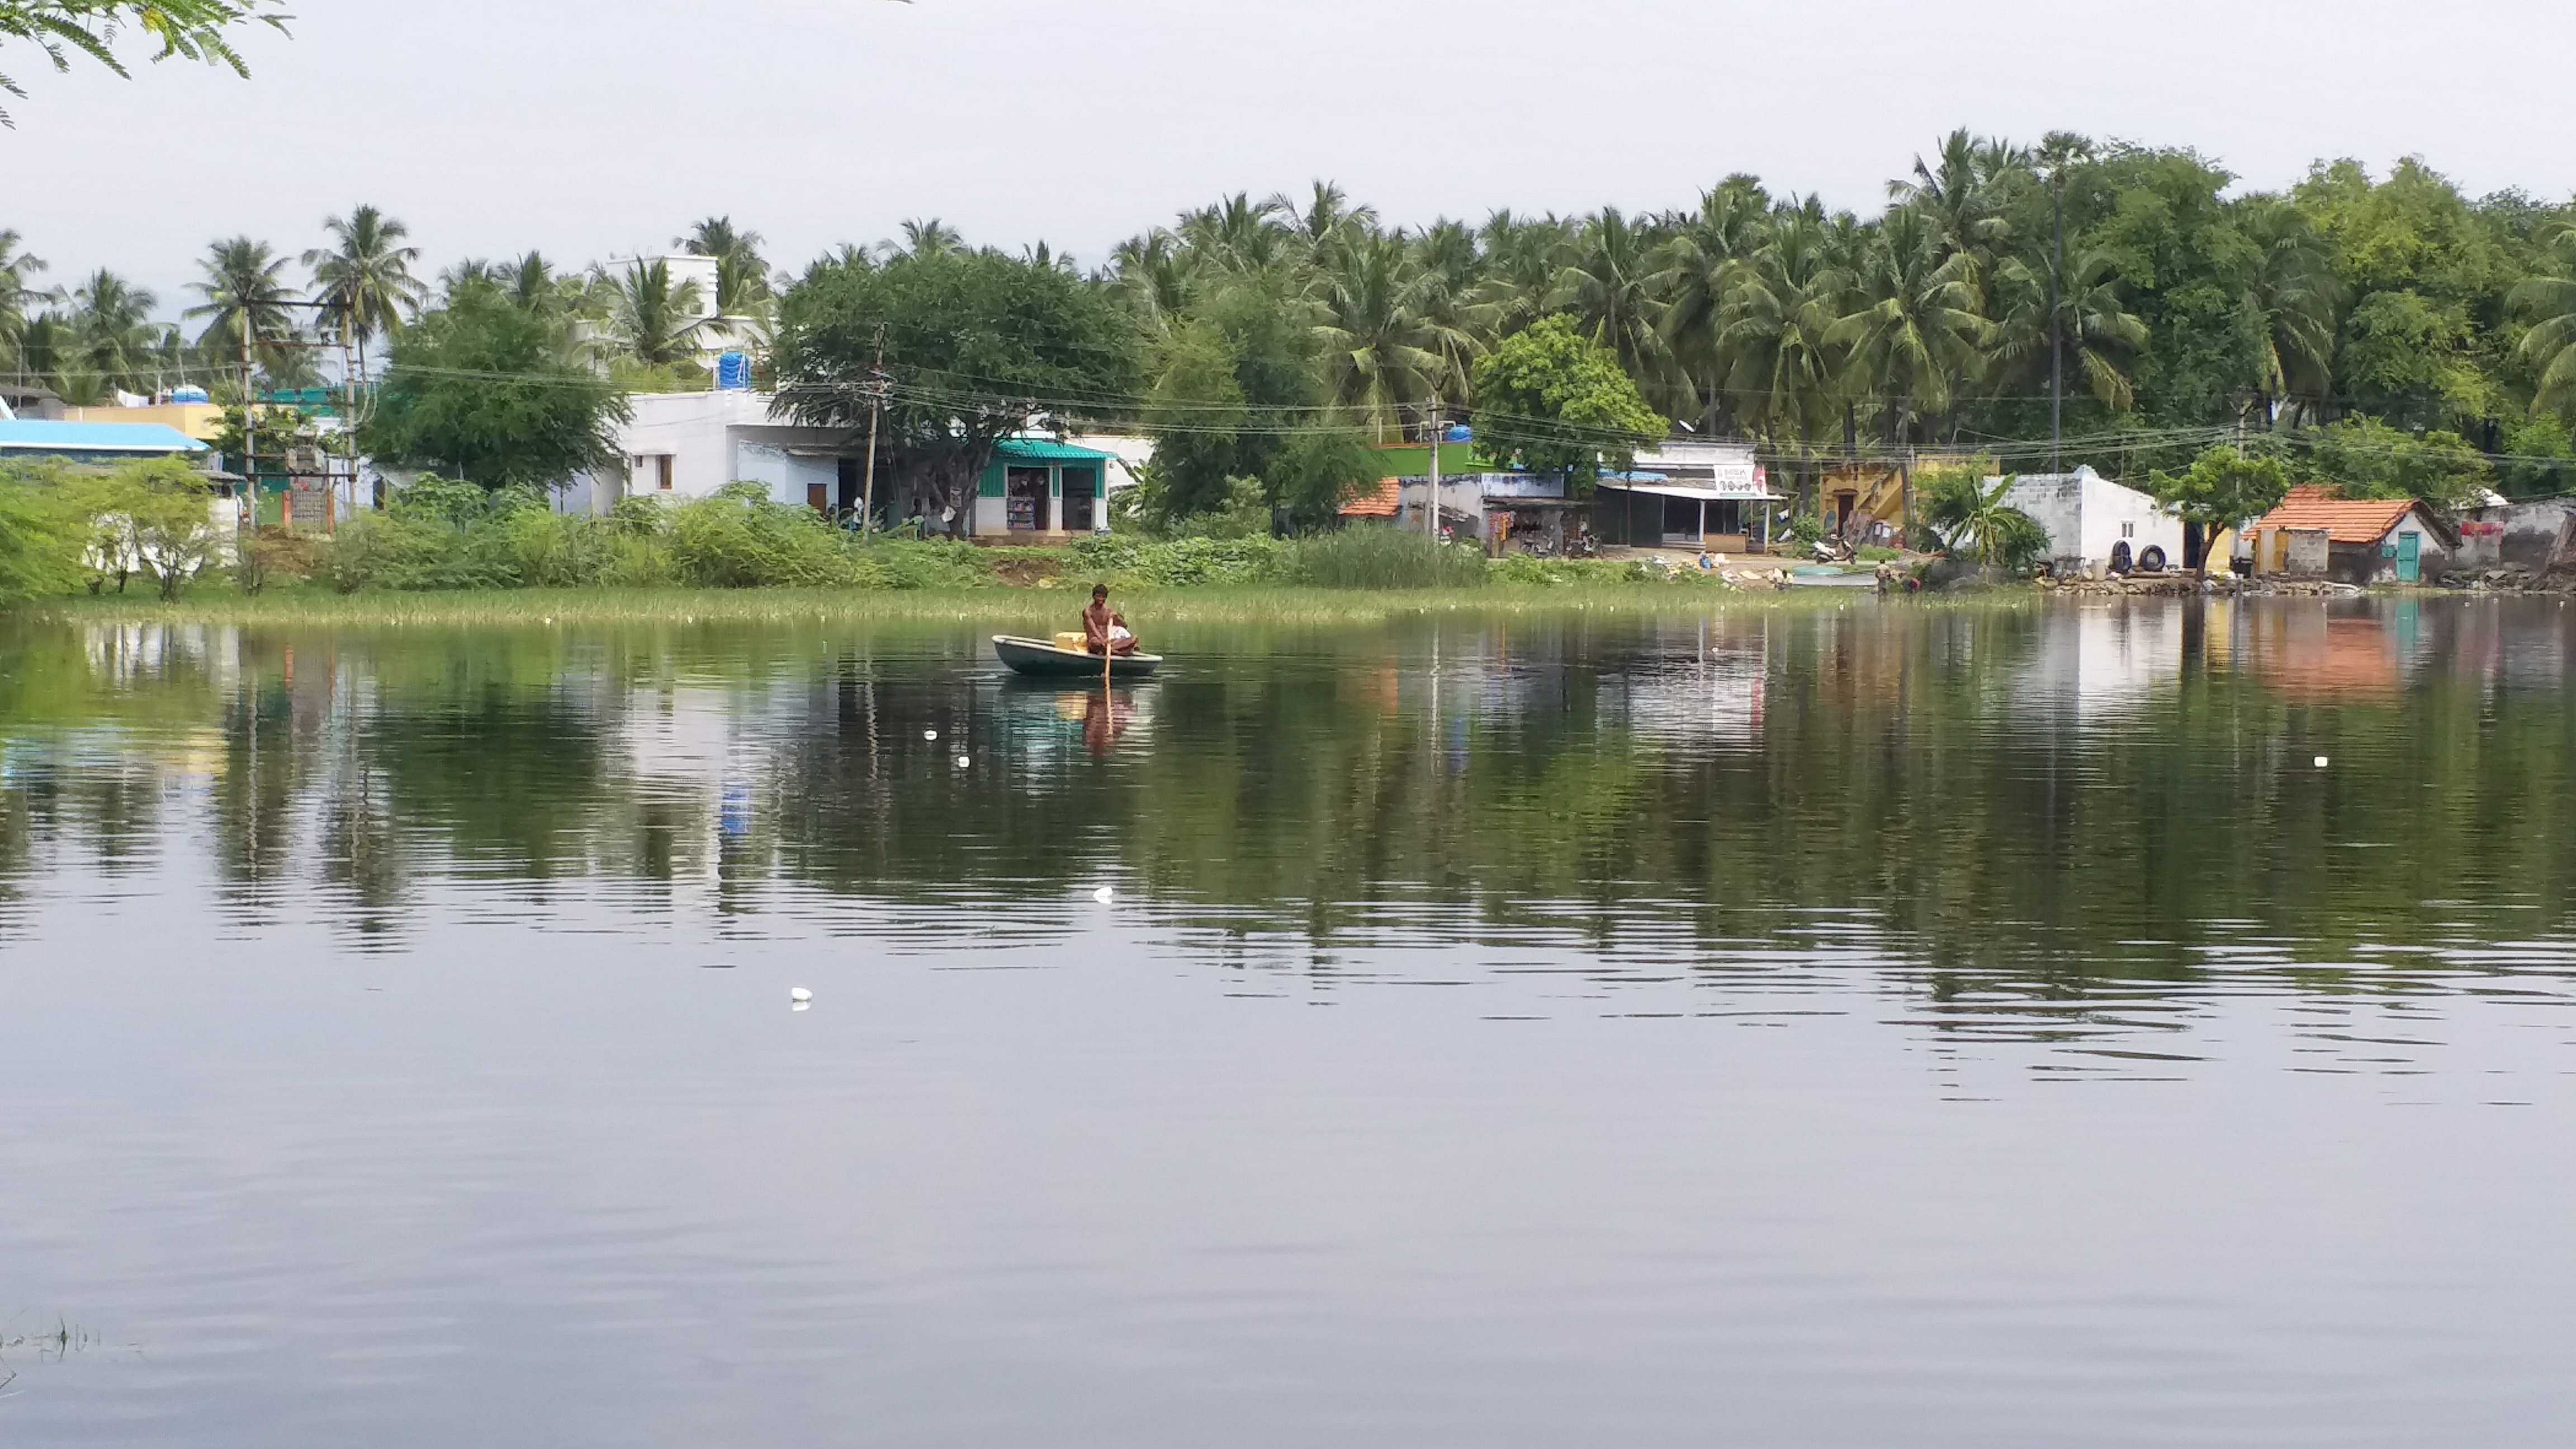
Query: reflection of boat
{"points": [[1052, 660], [1825, 578]]}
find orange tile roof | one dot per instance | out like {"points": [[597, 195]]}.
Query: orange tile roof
{"points": [[2345, 520], [1384, 503]]}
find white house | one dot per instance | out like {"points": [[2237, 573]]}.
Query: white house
{"points": [[2091, 520], [689, 444]]}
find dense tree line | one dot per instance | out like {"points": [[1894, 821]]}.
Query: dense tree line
{"points": [[2383, 331]]}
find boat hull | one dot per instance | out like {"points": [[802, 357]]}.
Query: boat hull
{"points": [[1039, 659]]}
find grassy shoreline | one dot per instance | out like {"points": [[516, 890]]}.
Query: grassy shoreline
{"points": [[1000, 607]]}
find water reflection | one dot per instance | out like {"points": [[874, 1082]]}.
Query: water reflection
{"points": [[2002, 809]]}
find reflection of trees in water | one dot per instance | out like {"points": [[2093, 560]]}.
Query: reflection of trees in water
{"points": [[1638, 792]]}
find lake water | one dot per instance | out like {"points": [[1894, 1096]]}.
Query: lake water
{"points": [[1858, 1026]]}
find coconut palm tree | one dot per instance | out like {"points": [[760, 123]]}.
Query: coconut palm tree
{"points": [[1382, 353], [1702, 263], [1779, 316], [242, 284], [1607, 287], [1963, 191], [112, 337], [1236, 234], [2093, 327], [2295, 304], [466, 275], [365, 276], [1156, 277], [654, 319], [17, 295], [2548, 299], [1326, 219], [1917, 328], [924, 238], [1522, 259], [742, 277]]}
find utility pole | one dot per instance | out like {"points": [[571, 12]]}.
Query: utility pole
{"points": [[250, 428], [2056, 345], [1432, 510], [876, 411]]}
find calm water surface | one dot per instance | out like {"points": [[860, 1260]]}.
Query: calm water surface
{"points": [[1861, 1027]]}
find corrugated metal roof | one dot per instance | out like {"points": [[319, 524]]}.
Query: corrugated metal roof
{"points": [[2345, 520], [1047, 450], [1384, 503], [39, 435]]}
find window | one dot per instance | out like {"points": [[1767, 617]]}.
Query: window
{"points": [[655, 469]]}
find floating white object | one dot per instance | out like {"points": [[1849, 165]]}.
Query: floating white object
{"points": [[1104, 895], [799, 995], [2321, 762], [963, 762], [930, 734]]}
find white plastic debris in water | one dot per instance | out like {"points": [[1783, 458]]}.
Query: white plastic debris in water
{"points": [[2322, 762], [963, 762], [799, 995], [1104, 895], [930, 734]]}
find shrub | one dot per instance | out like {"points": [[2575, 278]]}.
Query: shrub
{"points": [[734, 541], [1176, 563], [1379, 558], [265, 556]]}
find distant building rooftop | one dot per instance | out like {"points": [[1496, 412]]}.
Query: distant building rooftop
{"points": [[31, 435], [1383, 503], [2345, 520]]}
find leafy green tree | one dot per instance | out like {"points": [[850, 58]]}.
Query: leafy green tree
{"points": [[1783, 368], [2295, 306], [1701, 269], [1196, 416], [977, 344], [199, 30], [1560, 403], [2222, 489], [2095, 332], [2367, 458], [1318, 471], [39, 537], [481, 389]]}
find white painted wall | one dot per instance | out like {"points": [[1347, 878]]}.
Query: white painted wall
{"points": [[711, 438], [2085, 515]]}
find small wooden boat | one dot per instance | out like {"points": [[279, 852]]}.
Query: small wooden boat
{"points": [[1063, 657], [1833, 578]]}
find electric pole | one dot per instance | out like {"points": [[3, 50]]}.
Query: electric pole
{"points": [[1432, 511], [2056, 346], [876, 411]]}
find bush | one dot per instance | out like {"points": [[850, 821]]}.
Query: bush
{"points": [[1176, 563], [734, 541], [1371, 557], [265, 556]]}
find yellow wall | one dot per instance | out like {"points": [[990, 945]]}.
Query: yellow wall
{"points": [[198, 420]]}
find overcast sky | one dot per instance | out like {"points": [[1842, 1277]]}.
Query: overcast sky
{"points": [[588, 128]]}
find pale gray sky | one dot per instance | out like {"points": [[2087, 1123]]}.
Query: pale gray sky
{"points": [[593, 127]]}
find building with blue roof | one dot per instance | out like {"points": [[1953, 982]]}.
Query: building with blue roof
{"points": [[27, 439]]}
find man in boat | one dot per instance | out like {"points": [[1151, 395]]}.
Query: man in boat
{"points": [[1104, 630]]}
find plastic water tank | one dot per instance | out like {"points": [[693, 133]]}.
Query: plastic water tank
{"points": [[733, 372]]}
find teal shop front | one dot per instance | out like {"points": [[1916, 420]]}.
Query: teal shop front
{"points": [[1037, 489]]}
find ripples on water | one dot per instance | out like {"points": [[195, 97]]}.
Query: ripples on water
{"points": [[1533, 1031]]}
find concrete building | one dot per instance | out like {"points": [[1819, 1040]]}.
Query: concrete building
{"points": [[102, 444], [2366, 540], [688, 445], [2094, 523], [2531, 534], [1688, 493]]}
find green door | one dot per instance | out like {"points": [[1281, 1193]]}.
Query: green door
{"points": [[2410, 557]]}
